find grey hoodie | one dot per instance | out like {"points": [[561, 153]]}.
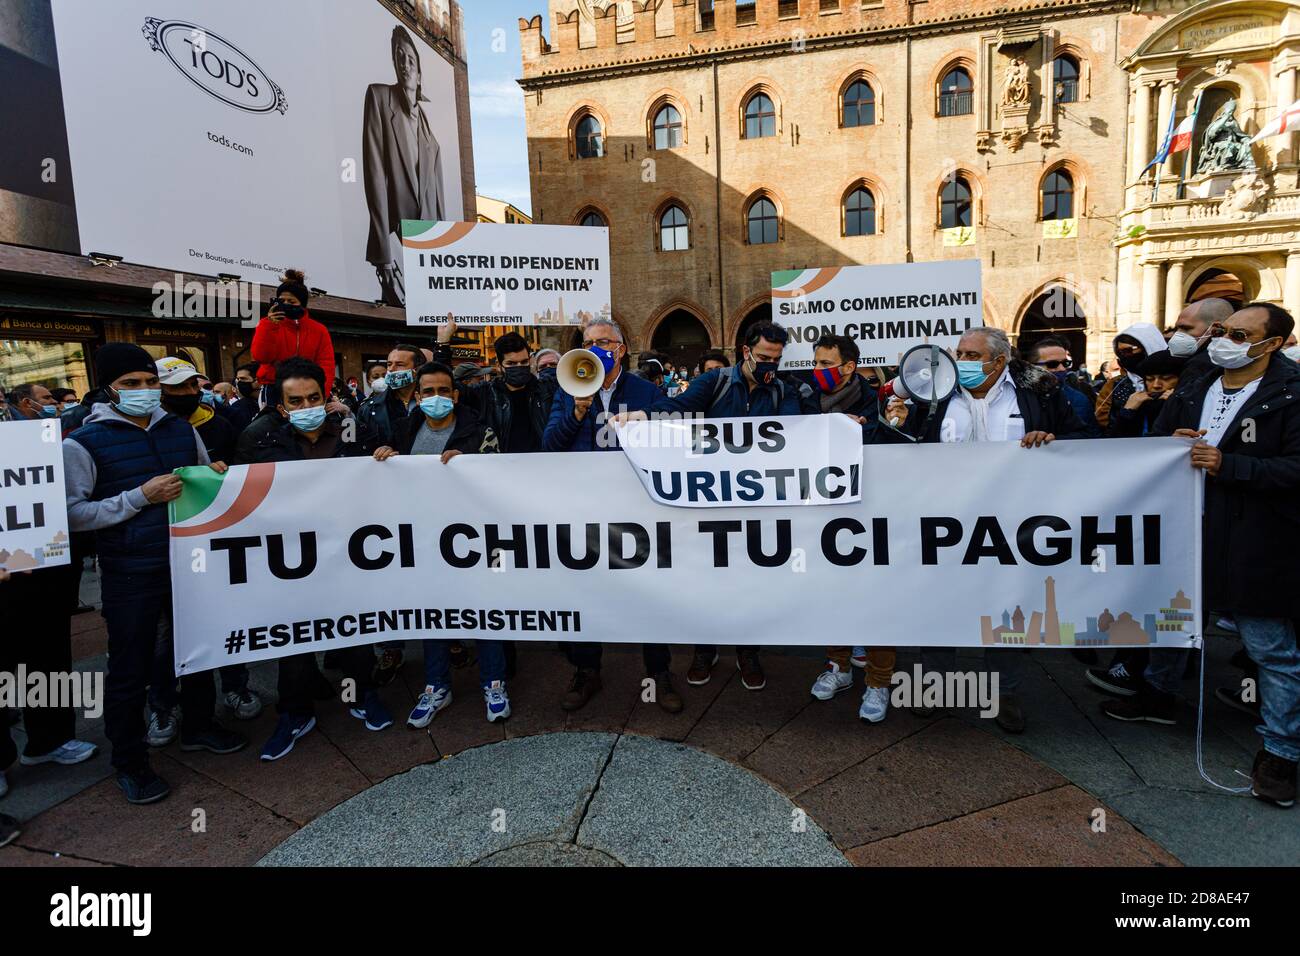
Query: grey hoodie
{"points": [[79, 478]]}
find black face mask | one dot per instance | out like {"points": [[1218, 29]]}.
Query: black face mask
{"points": [[518, 376], [245, 388], [1131, 360], [182, 406], [291, 311], [547, 374]]}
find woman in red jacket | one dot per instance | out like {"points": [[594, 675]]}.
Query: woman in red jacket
{"points": [[287, 330]]}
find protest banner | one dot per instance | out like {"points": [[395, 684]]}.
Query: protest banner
{"points": [[486, 273], [746, 462], [33, 508], [886, 309], [974, 544]]}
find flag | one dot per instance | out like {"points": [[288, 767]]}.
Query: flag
{"points": [[1285, 122], [1163, 153], [1177, 138]]}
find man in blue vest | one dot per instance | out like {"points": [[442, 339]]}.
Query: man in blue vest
{"points": [[118, 471]]}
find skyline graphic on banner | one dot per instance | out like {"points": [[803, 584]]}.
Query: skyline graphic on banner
{"points": [[1046, 629]]}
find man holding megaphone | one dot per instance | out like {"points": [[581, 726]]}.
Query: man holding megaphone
{"points": [[593, 386]]}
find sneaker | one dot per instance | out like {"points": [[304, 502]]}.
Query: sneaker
{"points": [[288, 730], [701, 669], [497, 700], [434, 699], [4, 784], [1117, 680], [858, 658], [1147, 704], [1227, 624], [1010, 716], [1234, 697], [142, 786], [583, 687], [390, 662], [875, 704], [666, 696], [374, 713], [216, 739], [244, 704], [751, 671], [1272, 779], [163, 727], [8, 829], [832, 681], [74, 751]]}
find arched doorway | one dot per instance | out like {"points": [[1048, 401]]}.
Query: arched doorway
{"points": [[1219, 284], [681, 338], [758, 315], [1056, 312]]}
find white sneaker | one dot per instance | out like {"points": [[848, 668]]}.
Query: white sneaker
{"points": [[163, 727], [431, 701], [244, 704], [498, 702], [859, 657], [875, 704], [831, 681], [4, 784], [74, 751]]}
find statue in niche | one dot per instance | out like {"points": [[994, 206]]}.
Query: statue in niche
{"points": [[1224, 144], [1015, 88]]}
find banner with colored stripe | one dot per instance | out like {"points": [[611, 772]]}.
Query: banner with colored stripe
{"points": [[886, 309], [484, 273], [981, 544]]}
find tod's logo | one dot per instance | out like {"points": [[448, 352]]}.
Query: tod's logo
{"points": [[215, 65]]}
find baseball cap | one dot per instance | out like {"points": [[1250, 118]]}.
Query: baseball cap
{"points": [[465, 371], [173, 371]]}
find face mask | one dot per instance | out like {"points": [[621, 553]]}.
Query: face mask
{"points": [[138, 402], [971, 374], [1131, 360], [437, 407], [1181, 344], [518, 376], [49, 411], [547, 374], [763, 372], [828, 379], [400, 379], [606, 358], [1062, 376], [245, 389], [379, 385], [291, 311], [183, 406], [1292, 352], [212, 399], [1226, 353], [307, 419]]}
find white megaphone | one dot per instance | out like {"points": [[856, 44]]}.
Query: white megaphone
{"points": [[580, 373], [926, 373]]}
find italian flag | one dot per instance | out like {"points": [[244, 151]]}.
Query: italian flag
{"points": [[1182, 137], [1285, 122]]}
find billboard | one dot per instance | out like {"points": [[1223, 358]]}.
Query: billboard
{"points": [[246, 136]]}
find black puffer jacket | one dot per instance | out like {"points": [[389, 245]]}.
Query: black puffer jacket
{"points": [[470, 435]]}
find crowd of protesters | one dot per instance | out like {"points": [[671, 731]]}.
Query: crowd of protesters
{"points": [[1225, 377]]}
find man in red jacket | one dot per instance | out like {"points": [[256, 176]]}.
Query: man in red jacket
{"points": [[287, 330]]}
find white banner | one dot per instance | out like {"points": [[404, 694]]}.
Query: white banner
{"points": [[886, 309], [971, 544], [487, 273], [746, 462], [244, 136], [33, 506]]}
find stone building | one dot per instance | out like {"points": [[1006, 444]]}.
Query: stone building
{"points": [[722, 140]]}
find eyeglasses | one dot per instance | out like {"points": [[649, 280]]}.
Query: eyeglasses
{"points": [[606, 344], [1053, 364], [1240, 336]]}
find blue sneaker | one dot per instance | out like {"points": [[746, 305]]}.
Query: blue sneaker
{"points": [[498, 702], [374, 713], [434, 699], [288, 730]]}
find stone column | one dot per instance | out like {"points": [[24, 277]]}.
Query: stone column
{"points": [[1140, 150], [1285, 97], [1173, 293], [1291, 284], [1151, 289], [1162, 123]]}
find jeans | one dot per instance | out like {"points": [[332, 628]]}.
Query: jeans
{"points": [[880, 663], [138, 613], [1271, 643], [297, 678], [1165, 668], [1008, 663], [437, 662], [709, 650], [657, 657]]}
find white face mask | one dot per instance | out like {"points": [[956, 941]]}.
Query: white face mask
{"points": [[1181, 344], [1293, 353], [1226, 353]]}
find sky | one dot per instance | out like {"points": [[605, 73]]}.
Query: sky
{"points": [[496, 102]]}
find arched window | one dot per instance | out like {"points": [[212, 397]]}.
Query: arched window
{"points": [[589, 139], [760, 117], [668, 128], [1058, 195], [1065, 79], [955, 206], [592, 218], [764, 226], [860, 213], [859, 105], [955, 97], [674, 230]]}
